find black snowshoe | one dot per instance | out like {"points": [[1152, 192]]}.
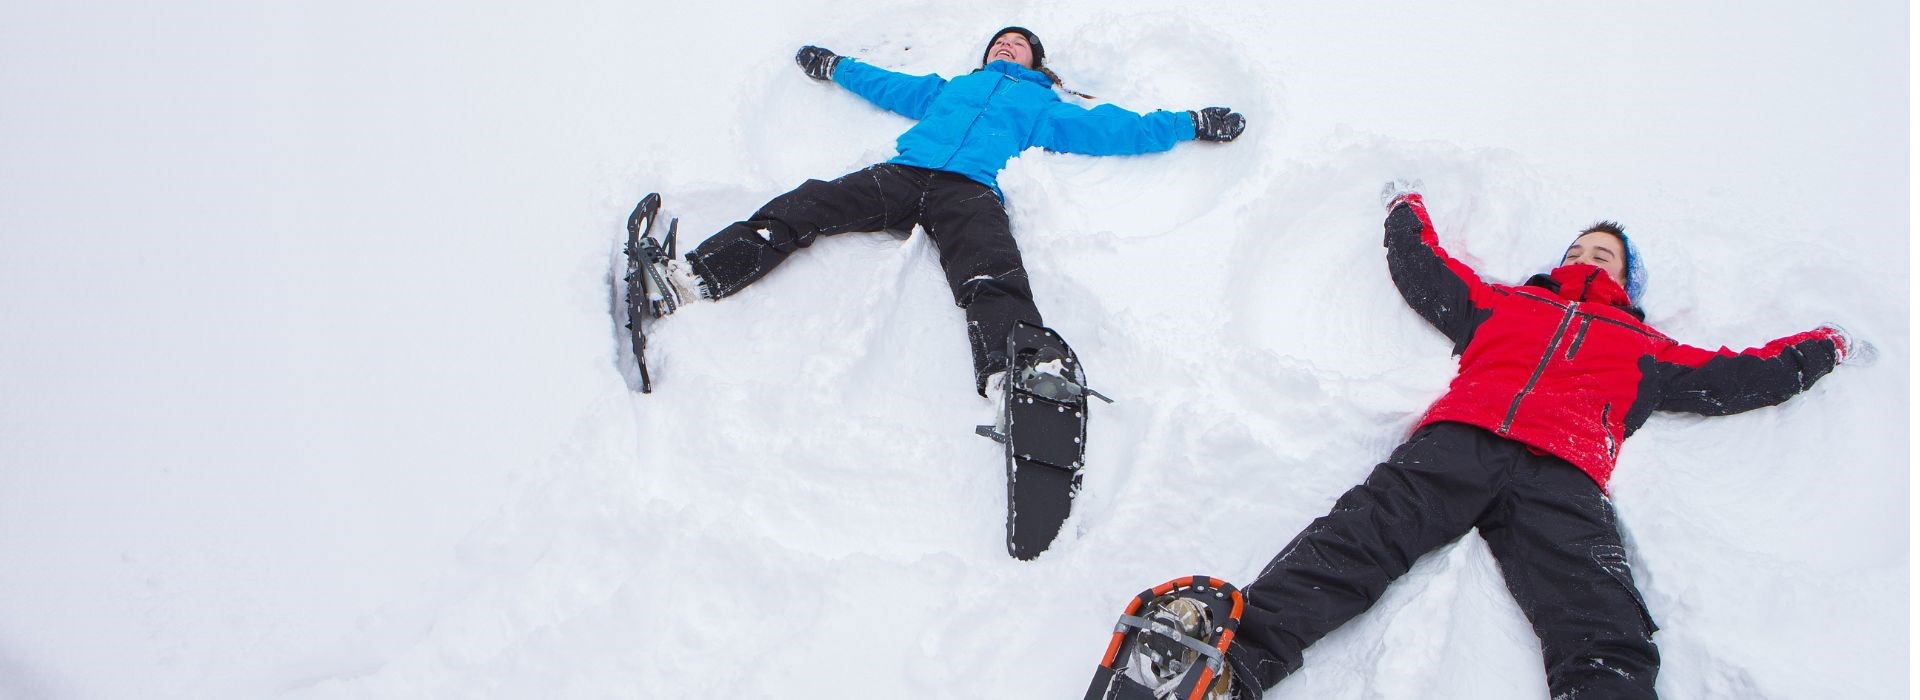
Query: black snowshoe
{"points": [[1043, 423], [648, 294], [1171, 643]]}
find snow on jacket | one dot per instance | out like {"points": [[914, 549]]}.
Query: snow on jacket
{"points": [[1565, 365], [974, 124]]}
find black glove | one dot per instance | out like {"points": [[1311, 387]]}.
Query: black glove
{"points": [[1396, 190], [817, 62], [1217, 124], [1848, 349]]}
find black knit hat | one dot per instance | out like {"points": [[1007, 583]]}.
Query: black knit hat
{"points": [[1039, 52]]}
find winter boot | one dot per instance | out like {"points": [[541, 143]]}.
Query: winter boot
{"points": [[686, 285], [672, 285], [1045, 375], [996, 393], [663, 295]]}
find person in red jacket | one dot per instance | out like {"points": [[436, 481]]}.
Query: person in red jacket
{"points": [[1554, 375]]}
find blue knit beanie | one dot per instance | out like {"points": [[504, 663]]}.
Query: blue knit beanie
{"points": [[1636, 272]]}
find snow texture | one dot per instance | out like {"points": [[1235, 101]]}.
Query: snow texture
{"points": [[311, 390]]}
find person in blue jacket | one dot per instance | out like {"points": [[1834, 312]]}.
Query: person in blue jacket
{"points": [[944, 179]]}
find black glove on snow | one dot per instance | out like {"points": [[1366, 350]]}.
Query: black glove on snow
{"points": [[1217, 124], [817, 62], [1849, 349], [1396, 190]]}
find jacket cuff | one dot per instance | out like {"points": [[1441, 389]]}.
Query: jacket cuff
{"points": [[840, 69]]}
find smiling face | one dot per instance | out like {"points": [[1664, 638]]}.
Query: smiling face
{"points": [[1600, 249], [1011, 46]]}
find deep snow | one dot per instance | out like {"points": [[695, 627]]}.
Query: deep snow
{"points": [[310, 387]]}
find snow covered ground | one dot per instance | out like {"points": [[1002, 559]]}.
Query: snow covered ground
{"points": [[309, 387]]}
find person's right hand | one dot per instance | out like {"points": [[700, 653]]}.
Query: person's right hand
{"points": [[1396, 190], [817, 62]]}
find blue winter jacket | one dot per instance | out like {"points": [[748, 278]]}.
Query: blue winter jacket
{"points": [[974, 124]]}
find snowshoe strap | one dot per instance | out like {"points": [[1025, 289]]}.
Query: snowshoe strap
{"points": [[1146, 625], [1047, 385]]}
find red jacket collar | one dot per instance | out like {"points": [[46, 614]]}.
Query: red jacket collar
{"points": [[1586, 283]]}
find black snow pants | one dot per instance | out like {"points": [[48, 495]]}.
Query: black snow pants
{"points": [[1548, 525], [965, 220]]}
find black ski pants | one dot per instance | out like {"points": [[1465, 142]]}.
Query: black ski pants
{"points": [[965, 220], [1549, 527]]}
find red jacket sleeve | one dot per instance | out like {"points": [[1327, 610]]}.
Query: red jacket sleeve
{"points": [[1446, 292], [1727, 382]]}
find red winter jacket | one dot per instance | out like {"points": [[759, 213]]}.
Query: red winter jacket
{"points": [[1564, 364]]}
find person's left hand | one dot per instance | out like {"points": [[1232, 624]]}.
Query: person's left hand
{"points": [[1217, 124]]}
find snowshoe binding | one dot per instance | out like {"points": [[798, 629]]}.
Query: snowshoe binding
{"points": [[649, 290], [1043, 423], [1171, 644]]}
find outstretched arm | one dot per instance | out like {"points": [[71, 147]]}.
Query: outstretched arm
{"points": [[1727, 382], [899, 93], [1107, 130], [1444, 291], [906, 95]]}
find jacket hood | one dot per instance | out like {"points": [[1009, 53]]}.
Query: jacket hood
{"points": [[1587, 284]]}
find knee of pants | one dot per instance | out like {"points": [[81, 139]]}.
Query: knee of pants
{"points": [[992, 288], [779, 235], [805, 197], [793, 220]]}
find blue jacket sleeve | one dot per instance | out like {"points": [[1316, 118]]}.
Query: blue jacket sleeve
{"points": [[1107, 130], [906, 95]]}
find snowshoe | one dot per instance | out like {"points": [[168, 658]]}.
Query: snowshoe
{"points": [[1171, 644], [649, 292], [1043, 423]]}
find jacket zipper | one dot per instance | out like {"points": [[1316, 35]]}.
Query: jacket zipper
{"points": [[1607, 430], [1574, 347], [997, 85], [1545, 358]]}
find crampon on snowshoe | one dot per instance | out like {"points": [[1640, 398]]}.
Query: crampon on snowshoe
{"points": [[1171, 644]]}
